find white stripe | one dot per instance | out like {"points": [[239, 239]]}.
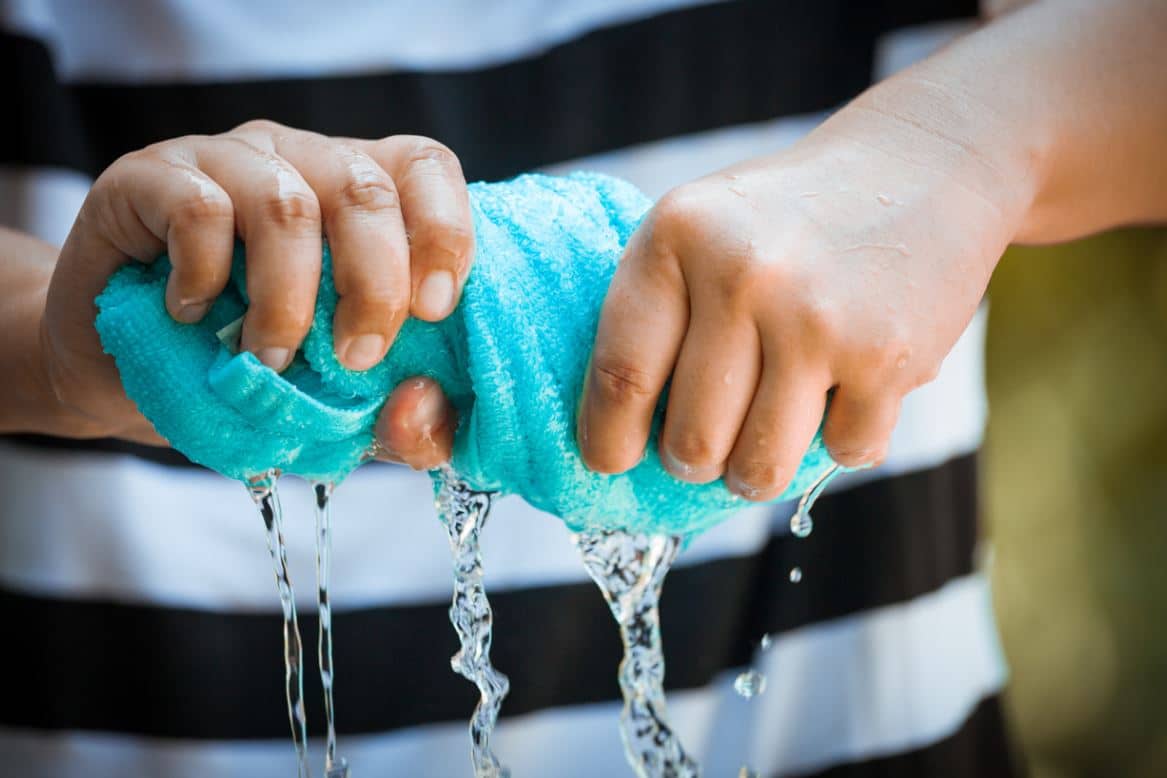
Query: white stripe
{"points": [[888, 681], [41, 201], [136, 41], [100, 525]]}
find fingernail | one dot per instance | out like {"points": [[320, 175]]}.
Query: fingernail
{"points": [[364, 351], [192, 312], [275, 358], [686, 471], [435, 294], [740, 487]]}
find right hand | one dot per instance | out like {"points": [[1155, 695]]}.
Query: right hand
{"points": [[397, 216]]}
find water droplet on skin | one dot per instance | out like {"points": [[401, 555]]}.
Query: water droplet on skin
{"points": [[750, 684], [727, 379], [902, 362], [795, 574]]}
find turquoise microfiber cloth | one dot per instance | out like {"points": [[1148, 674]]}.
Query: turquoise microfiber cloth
{"points": [[511, 358]]}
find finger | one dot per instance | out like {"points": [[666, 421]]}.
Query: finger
{"points": [[779, 427], [712, 387], [436, 208], [417, 425], [136, 207], [366, 235], [278, 217], [642, 325], [859, 425]]}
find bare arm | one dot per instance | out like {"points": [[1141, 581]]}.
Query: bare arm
{"points": [[853, 261], [27, 402], [1067, 99]]}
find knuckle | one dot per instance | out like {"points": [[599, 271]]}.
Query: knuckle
{"points": [[291, 211], [260, 126], [619, 382], [426, 151], [369, 193], [279, 321], [445, 242], [822, 320], [202, 208], [677, 216]]}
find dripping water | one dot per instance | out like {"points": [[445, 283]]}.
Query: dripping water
{"points": [[464, 511], [333, 767], [751, 683], [630, 570], [263, 491], [801, 523]]}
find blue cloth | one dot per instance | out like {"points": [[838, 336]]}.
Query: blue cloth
{"points": [[511, 358]]}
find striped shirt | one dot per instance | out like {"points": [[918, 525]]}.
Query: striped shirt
{"points": [[143, 628]]}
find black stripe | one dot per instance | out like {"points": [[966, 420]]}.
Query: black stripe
{"points": [[979, 749], [680, 72], [196, 674]]}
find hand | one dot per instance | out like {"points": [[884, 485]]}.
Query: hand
{"points": [[852, 262], [397, 216]]}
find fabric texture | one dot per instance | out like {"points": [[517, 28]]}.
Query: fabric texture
{"points": [[511, 358]]}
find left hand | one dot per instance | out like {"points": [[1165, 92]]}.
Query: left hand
{"points": [[852, 262]]}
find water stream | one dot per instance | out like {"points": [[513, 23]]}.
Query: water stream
{"points": [[333, 767], [630, 570], [464, 511], [263, 491]]}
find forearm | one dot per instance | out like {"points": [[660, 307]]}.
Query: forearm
{"points": [[1060, 107], [27, 401]]}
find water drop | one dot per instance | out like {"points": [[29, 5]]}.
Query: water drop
{"points": [[630, 570], [795, 574], [801, 524], [766, 642], [750, 684]]}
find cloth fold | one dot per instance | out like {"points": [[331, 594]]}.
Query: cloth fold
{"points": [[512, 358]]}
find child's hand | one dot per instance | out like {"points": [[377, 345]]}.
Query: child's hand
{"points": [[853, 262], [397, 217]]}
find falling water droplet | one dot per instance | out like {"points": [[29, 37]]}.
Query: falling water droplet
{"points": [[766, 642], [801, 524], [750, 684], [263, 491], [464, 511], [795, 574], [630, 569]]}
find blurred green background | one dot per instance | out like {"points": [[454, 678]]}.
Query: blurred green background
{"points": [[1076, 483]]}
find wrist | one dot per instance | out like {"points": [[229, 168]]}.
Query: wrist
{"points": [[934, 121], [30, 403]]}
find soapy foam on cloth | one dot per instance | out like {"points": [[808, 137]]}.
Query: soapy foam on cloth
{"points": [[511, 358]]}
